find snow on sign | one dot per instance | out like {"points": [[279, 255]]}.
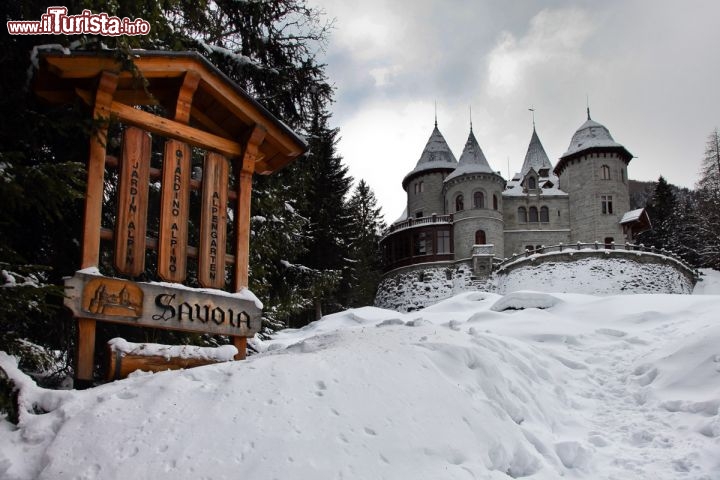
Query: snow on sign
{"points": [[203, 112], [160, 305]]}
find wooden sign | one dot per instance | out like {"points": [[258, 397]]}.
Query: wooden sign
{"points": [[160, 305], [131, 224], [175, 204], [213, 222]]}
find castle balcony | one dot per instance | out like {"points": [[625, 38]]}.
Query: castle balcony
{"points": [[418, 240]]}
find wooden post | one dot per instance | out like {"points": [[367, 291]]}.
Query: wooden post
{"points": [[213, 223], [85, 349], [242, 221], [133, 187]]}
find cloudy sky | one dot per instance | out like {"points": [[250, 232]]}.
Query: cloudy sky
{"points": [[651, 71]]}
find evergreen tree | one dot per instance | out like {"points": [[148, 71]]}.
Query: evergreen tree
{"points": [[708, 204], [661, 209], [325, 183], [367, 228], [269, 48]]}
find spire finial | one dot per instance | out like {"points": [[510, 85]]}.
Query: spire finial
{"points": [[532, 109], [435, 113], [587, 103], [470, 118]]}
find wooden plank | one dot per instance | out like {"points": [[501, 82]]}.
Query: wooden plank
{"points": [[213, 222], [122, 365], [133, 189], [174, 212], [170, 128], [242, 211], [161, 305]]}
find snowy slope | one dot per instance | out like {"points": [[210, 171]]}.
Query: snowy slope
{"points": [[478, 386]]}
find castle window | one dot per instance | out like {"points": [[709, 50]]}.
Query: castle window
{"points": [[421, 187], [533, 215], [423, 244], [443, 241], [419, 214], [478, 200], [606, 203], [532, 184], [605, 172], [495, 202], [622, 175], [480, 237], [522, 215], [459, 203], [544, 214]]}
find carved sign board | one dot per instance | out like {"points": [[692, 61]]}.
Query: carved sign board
{"points": [[160, 306]]}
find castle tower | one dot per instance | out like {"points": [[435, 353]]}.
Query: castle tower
{"points": [[425, 182], [473, 194], [593, 171], [535, 208]]}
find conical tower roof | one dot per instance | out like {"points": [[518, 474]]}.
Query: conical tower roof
{"points": [[436, 155], [472, 159], [591, 136], [535, 158]]}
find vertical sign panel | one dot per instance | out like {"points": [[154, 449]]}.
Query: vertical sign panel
{"points": [[131, 222], [172, 254], [213, 223]]}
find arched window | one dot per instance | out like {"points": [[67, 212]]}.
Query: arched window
{"points": [[478, 200], [522, 215], [544, 214], [459, 206], [533, 215], [480, 237], [495, 202], [605, 172], [532, 184], [622, 175], [422, 187]]}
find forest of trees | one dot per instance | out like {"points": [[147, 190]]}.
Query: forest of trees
{"points": [[686, 221], [313, 236]]}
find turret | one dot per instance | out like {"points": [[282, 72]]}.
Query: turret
{"points": [[473, 193], [424, 183], [593, 171]]}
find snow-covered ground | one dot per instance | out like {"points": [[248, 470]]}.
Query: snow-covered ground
{"points": [[531, 385]]}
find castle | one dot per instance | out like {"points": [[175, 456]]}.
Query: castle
{"points": [[465, 213]]}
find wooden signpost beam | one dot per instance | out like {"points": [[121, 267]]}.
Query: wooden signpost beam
{"points": [[242, 221], [93, 216]]}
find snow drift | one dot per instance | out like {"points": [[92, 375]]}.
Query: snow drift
{"points": [[529, 385]]}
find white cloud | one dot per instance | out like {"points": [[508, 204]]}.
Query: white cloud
{"points": [[553, 42]]}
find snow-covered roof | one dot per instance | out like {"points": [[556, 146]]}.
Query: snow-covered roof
{"points": [[437, 154], [536, 162], [535, 157], [632, 215], [591, 134], [472, 159]]}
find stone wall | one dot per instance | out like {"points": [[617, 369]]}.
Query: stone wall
{"points": [[412, 288], [604, 272], [430, 200]]}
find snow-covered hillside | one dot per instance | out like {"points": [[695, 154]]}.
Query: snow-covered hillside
{"points": [[530, 385]]}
